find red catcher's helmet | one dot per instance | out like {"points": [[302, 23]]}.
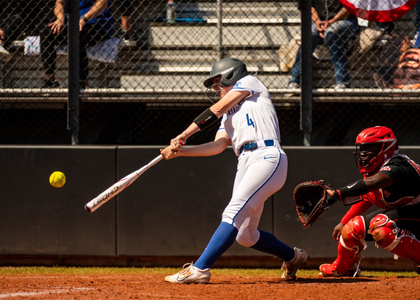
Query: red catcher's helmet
{"points": [[373, 146]]}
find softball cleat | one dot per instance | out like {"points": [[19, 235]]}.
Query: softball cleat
{"points": [[290, 268], [190, 274], [330, 270]]}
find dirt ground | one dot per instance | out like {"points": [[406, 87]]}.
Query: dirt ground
{"points": [[220, 287]]}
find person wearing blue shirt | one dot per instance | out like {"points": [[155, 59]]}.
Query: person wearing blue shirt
{"points": [[95, 25]]}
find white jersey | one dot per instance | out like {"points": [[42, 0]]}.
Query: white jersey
{"points": [[254, 118]]}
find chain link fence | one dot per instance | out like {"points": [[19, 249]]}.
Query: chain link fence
{"points": [[141, 73]]}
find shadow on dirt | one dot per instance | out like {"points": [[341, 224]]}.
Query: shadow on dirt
{"points": [[333, 280], [301, 280]]}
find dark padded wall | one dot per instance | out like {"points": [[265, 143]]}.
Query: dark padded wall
{"points": [[36, 218], [337, 167], [171, 210], [175, 206]]}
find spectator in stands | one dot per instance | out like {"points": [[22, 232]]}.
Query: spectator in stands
{"points": [[394, 60], [18, 19], [332, 23], [9, 29], [126, 29], [407, 74], [388, 27], [4, 54], [95, 25], [417, 25]]}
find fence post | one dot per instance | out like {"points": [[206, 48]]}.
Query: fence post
{"points": [[220, 29], [306, 72], [73, 100]]}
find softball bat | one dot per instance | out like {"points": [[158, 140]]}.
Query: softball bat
{"points": [[121, 185]]}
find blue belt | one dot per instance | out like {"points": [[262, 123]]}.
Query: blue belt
{"points": [[254, 145]]}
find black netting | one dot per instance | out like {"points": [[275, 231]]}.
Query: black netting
{"points": [[141, 75]]}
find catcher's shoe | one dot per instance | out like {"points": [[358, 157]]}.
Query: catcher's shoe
{"points": [[329, 270], [290, 268], [190, 274]]}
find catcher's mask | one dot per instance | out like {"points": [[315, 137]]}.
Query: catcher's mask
{"points": [[230, 70], [373, 146]]}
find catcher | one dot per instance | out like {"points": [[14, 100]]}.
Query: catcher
{"points": [[391, 181]]}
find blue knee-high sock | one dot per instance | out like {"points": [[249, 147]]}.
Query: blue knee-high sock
{"points": [[268, 243], [221, 240]]}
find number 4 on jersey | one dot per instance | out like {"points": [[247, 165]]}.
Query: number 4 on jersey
{"points": [[249, 120]]}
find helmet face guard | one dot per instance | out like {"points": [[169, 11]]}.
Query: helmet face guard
{"points": [[212, 93], [366, 155], [373, 146]]}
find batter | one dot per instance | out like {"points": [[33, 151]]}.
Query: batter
{"points": [[249, 123]]}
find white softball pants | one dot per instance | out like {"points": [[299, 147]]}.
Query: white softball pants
{"points": [[260, 173]]}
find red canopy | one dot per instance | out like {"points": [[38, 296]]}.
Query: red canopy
{"points": [[379, 10]]}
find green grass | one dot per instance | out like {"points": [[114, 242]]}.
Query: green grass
{"points": [[6, 271]]}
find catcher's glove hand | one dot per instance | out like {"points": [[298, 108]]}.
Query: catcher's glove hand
{"points": [[311, 199]]}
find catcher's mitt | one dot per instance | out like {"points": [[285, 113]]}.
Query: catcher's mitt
{"points": [[311, 199]]}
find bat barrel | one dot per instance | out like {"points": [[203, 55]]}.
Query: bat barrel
{"points": [[118, 187], [94, 204]]}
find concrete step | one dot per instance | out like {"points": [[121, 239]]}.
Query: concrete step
{"points": [[194, 81], [238, 10], [233, 35]]}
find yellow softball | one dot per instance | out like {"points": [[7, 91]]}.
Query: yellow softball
{"points": [[57, 179]]}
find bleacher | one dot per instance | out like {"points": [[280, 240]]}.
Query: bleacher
{"points": [[175, 58]]}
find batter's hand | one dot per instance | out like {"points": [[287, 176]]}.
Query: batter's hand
{"points": [[167, 153], [178, 142], [337, 231]]}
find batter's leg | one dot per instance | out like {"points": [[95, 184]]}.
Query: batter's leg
{"points": [[250, 236], [221, 240]]}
